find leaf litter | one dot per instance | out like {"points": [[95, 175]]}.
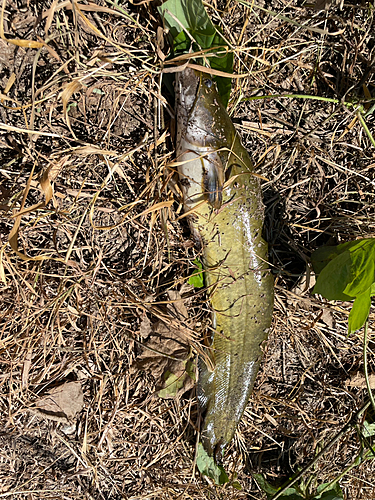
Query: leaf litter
{"points": [[165, 354], [61, 403]]}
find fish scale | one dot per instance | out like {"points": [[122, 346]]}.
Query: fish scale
{"points": [[218, 184]]}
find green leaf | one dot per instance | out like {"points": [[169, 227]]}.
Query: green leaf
{"points": [[362, 269], [236, 485], [223, 62], [289, 494], [345, 271], [368, 429], [265, 485], [323, 255], [360, 311], [172, 385], [182, 42], [196, 279], [206, 466], [334, 277], [333, 493], [192, 16]]}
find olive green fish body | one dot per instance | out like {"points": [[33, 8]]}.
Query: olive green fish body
{"points": [[217, 181]]}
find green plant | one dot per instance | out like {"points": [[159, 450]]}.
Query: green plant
{"points": [[347, 272], [190, 30], [326, 491], [207, 467], [197, 278]]}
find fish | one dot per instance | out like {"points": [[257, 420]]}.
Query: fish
{"points": [[223, 202]]}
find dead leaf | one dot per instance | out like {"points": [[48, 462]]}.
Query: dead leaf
{"points": [[61, 403], [26, 367], [166, 354], [177, 304], [358, 380], [164, 351], [145, 328], [328, 318]]}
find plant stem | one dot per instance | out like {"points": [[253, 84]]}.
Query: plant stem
{"points": [[366, 129], [334, 440], [366, 367], [345, 471]]}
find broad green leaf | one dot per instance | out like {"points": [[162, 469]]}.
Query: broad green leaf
{"points": [[334, 492], [190, 15], [331, 495], [206, 466], [265, 485], [182, 42], [334, 277], [355, 245], [362, 269], [323, 255], [291, 494], [346, 271], [223, 62], [360, 311], [196, 279]]}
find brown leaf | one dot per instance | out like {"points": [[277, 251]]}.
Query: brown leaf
{"points": [[328, 318], [166, 351], [61, 403], [177, 304], [145, 328], [358, 380]]}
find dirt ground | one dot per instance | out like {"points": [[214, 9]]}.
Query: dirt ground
{"points": [[95, 258]]}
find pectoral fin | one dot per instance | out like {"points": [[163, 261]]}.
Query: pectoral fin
{"points": [[214, 181]]}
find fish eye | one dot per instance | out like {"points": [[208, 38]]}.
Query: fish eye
{"points": [[208, 83]]}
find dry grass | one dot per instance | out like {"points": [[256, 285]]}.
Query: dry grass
{"points": [[92, 246]]}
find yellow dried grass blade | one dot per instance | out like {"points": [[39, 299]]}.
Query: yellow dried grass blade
{"points": [[348, 128], [25, 130], [10, 83], [30, 44], [50, 13], [96, 31], [49, 176], [126, 218], [66, 94], [2, 271]]}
